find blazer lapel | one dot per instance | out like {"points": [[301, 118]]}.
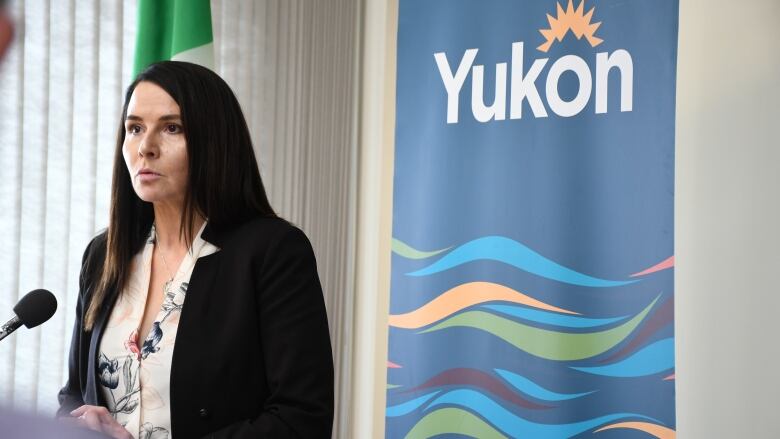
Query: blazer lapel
{"points": [[196, 302], [201, 282], [93, 396], [187, 345]]}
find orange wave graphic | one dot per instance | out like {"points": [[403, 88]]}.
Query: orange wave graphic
{"points": [[663, 265], [656, 430], [670, 377], [464, 296]]}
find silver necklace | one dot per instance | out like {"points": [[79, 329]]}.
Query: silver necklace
{"points": [[168, 282]]}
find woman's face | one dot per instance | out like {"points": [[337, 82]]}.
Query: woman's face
{"points": [[155, 149]]}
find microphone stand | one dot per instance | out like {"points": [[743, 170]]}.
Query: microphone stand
{"points": [[9, 327]]}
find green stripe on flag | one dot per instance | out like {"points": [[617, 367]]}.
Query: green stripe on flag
{"points": [[169, 27]]}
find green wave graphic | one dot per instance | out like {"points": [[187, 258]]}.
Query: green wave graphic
{"points": [[402, 249], [453, 420], [551, 345]]}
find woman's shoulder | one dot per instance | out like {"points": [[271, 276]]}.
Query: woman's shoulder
{"points": [[92, 262], [268, 233], [96, 249], [264, 225]]}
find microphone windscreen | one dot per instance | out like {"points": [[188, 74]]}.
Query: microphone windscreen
{"points": [[36, 307]]}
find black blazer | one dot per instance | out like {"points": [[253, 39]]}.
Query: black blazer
{"points": [[252, 356]]}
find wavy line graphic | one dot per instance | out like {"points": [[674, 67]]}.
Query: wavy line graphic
{"points": [[660, 318], [464, 296], [453, 420], [670, 377], [463, 377], [663, 265], [656, 430], [392, 365], [501, 249], [530, 388], [403, 249], [409, 406], [654, 358], [515, 426], [551, 345], [550, 318]]}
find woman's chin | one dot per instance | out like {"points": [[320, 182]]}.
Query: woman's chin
{"points": [[159, 199], [149, 197]]}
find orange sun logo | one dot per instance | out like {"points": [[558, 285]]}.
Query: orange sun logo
{"points": [[571, 20]]}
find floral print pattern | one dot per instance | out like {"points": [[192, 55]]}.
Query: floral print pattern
{"points": [[151, 342], [148, 431], [133, 374], [108, 372], [109, 378], [131, 344]]}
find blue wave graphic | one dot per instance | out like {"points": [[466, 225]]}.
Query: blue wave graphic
{"points": [[409, 406], [530, 388], [551, 318], [501, 249], [515, 426], [654, 358]]}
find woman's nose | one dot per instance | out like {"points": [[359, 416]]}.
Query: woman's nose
{"points": [[148, 147]]}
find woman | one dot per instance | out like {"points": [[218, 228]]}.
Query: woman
{"points": [[247, 354]]}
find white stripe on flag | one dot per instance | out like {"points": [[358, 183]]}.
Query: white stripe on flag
{"points": [[203, 55]]}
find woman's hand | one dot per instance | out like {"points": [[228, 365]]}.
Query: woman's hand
{"points": [[99, 419]]}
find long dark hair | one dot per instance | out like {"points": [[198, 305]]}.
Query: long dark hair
{"points": [[224, 182]]}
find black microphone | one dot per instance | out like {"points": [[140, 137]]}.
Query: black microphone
{"points": [[34, 308]]}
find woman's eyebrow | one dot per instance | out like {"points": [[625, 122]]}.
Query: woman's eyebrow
{"points": [[170, 117], [166, 117]]}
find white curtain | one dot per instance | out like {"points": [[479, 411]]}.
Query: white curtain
{"points": [[60, 96], [292, 64]]}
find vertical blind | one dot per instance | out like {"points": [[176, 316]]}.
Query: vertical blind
{"points": [[292, 64]]}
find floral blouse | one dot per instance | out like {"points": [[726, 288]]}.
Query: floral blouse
{"points": [[134, 377]]}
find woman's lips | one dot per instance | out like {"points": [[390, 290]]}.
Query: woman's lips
{"points": [[146, 176]]}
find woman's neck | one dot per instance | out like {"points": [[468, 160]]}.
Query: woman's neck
{"points": [[167, 224]]}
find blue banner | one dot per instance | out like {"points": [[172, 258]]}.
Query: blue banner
{"points": [[533, 220]]}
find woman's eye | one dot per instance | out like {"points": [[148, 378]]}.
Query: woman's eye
{"points": [[173, 128], [133, 129]]}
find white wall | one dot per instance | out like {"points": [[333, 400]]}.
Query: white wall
{"points": [[376, 130], [727, 218]]}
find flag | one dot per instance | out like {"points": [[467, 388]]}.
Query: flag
{"points": [[173, 30]]}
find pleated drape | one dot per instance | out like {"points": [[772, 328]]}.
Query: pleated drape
{"points": [[293, 66]]}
